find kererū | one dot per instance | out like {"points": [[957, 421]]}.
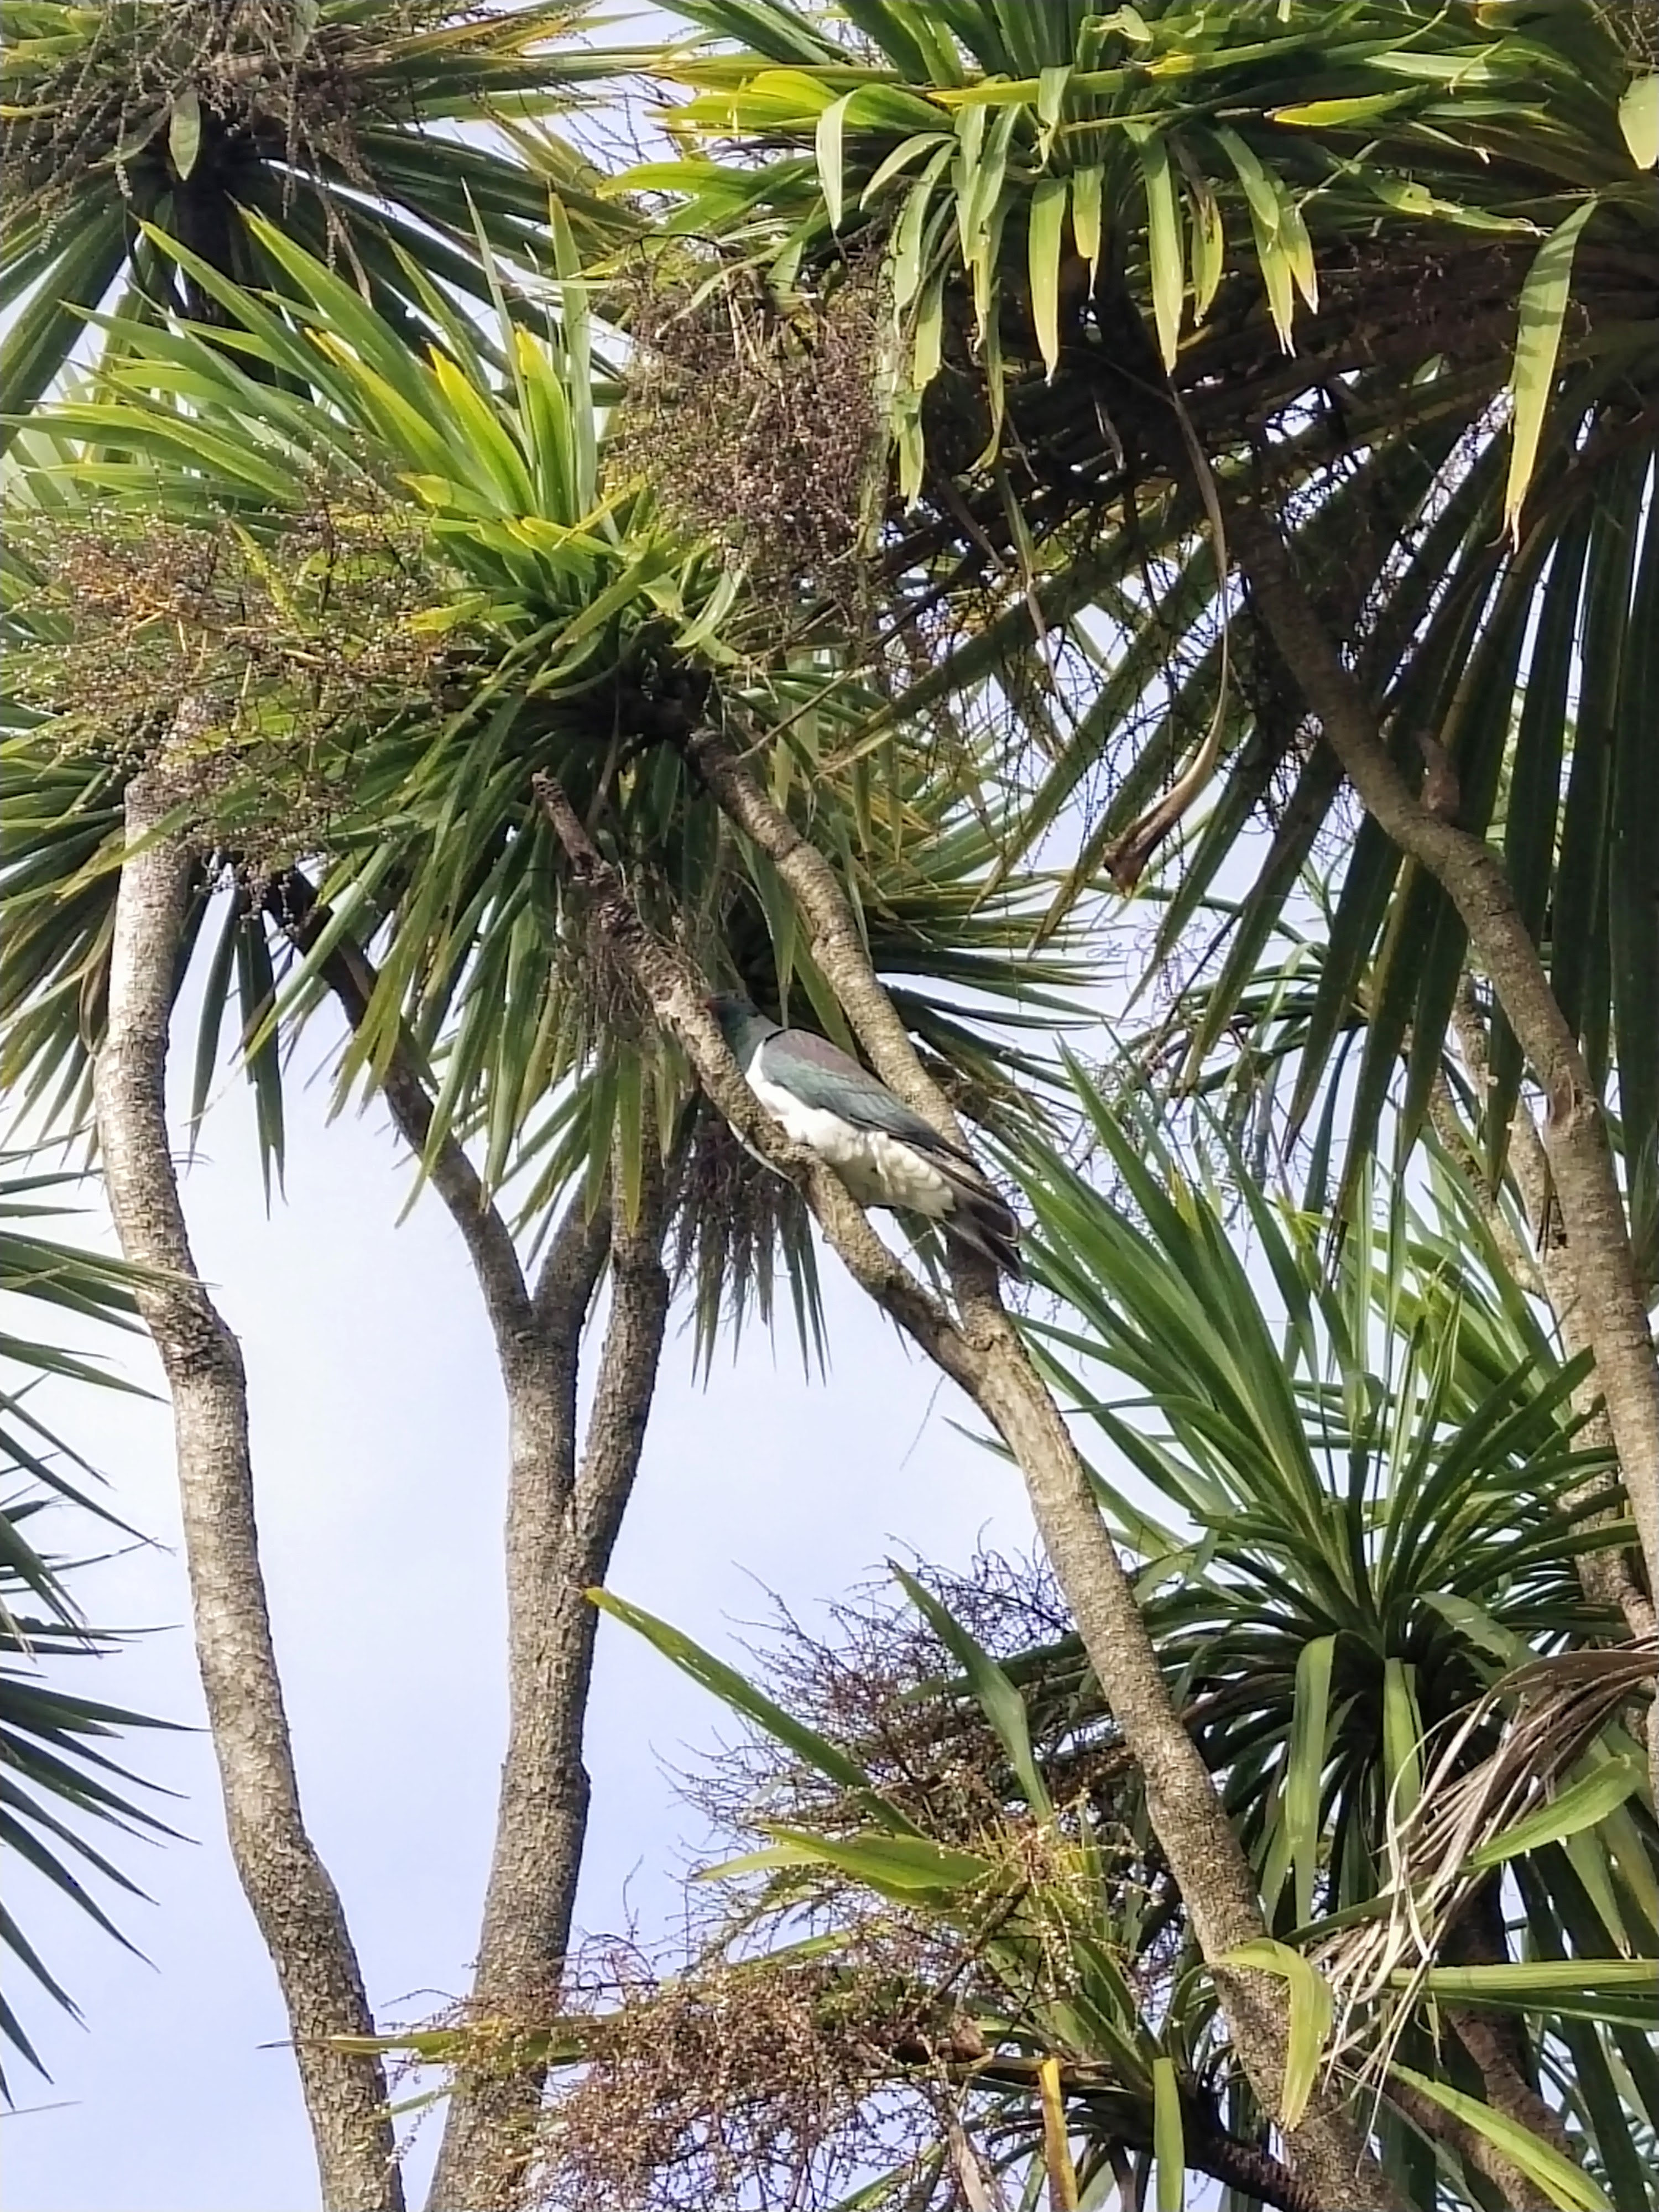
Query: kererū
{"points": [[884, 1153]]}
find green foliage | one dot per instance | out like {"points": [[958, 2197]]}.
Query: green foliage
{"points": [[1360, 1578], [1294, 230], [542, 615], [56, 1778], [1382, 271], [332, 121]]}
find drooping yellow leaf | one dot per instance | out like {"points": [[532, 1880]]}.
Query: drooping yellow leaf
{"points": [[184, 132], [1209, 244], [1063, 2193], [1316, 114], [1169, 273], [827, 143], [1086, 217], [1298, 247], [1543, 310], [1047, 229], [929, 335], [1169, 2137], [1311, 2018], [1266, 202]]}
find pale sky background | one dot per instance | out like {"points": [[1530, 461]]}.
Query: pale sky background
{"points": [[379, 1445]]}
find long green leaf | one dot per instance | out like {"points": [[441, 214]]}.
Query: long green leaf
{"points": [[1001, 1702], [1564, 2185], [734, 1690]]}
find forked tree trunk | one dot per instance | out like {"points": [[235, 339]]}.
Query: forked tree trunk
{"points": [[565, 1502], [563, 1521], [293, 1901]]}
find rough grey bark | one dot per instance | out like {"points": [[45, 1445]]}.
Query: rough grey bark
{"points": [[1605, 1576], [1500, 2043], [1574, 1137], [1515, 2191], [293, 1899], [561, 1524], [981, 1352], [563, 1513]]}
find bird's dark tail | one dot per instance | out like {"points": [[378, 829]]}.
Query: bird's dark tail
{"points": [[985, 1224]]}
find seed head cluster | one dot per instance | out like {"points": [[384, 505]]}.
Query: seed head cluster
{"points": [[270, 80], [745, 2084], [289, 649], [759, 421]]}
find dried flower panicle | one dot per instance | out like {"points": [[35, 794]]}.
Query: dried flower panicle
{"points": [[270, 82], [748, 2071], [742, 2084], [758, 420], [289, 648]]}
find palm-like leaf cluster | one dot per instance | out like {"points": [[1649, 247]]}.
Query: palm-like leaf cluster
{"points": [[56, 1775], [338, 123], [514, 605], [345, 501], [1292, 237], [1379, 1503]]}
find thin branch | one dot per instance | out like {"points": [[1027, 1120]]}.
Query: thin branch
{"points": [[294, 1900], [983, 1353]]}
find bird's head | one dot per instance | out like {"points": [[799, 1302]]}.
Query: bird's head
{"points": [[737, 1020]]}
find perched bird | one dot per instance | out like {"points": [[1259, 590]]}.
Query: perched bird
{"points": [[884, 1153]]}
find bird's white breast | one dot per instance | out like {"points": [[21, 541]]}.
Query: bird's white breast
{"points": [[878, 1170]]}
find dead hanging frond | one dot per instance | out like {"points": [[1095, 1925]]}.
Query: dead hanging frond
{"points": [[736, 1226], [759, 419], [1451, 1837]]}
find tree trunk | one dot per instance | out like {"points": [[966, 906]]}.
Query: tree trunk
{"points": [[562, 1519], [294, 1900], [1605, 1576], [986, 1356]]}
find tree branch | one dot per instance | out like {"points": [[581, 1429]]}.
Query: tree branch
{"points": [[294, 1900], [837, 942], [985, 1357], [1517, 2192], [1605, 1576], [1574, 1135]]}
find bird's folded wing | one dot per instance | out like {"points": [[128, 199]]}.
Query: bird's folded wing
{"points": [[820, 1074]]}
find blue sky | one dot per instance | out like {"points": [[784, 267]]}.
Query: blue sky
{"points": [[379, 1443]]}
